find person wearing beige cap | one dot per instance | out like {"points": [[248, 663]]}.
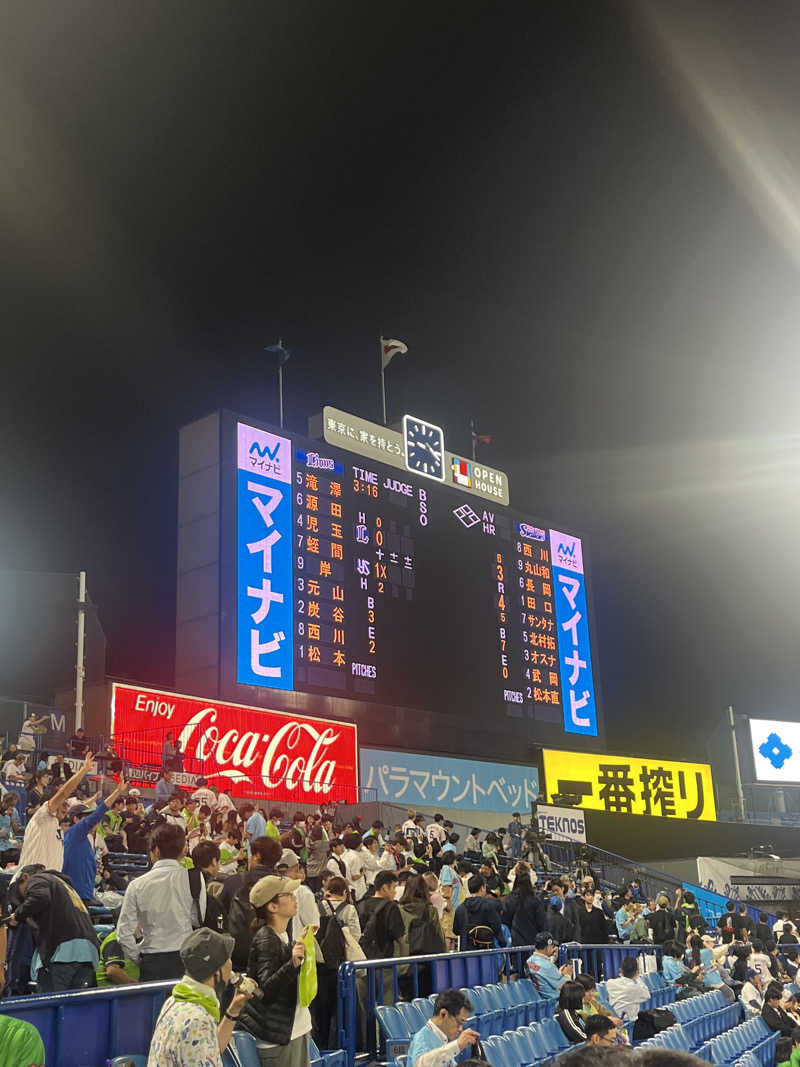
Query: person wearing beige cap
{"points": [[280, 1024], [189, 1031]]}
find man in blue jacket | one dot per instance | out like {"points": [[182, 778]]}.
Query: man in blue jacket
{"points": [[80, 861]]}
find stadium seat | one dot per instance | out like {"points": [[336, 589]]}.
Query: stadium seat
{"points": [[499, 1052], [521, 1046], [394, 1031], [554, 1037], [425, 1005], [335, 1058], [489, 1019], [243, 1046], [412, 1015]]}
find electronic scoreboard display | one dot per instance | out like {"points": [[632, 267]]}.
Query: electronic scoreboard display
{"points": [[375, 565]]}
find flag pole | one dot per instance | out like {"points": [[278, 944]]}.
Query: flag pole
{"points": [[383, 378]]}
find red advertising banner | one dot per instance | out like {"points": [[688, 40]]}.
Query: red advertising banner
{"points": [[251, 751]]}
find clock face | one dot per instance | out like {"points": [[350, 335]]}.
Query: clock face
{"points": [[424, 447]]}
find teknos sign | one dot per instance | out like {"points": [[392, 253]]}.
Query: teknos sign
{"points": [[252, 750]]}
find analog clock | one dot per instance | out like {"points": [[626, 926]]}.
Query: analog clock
{"points": [[424, 447]]}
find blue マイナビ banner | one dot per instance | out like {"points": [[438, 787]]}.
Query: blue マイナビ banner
{"points": [[411, 779], [264, 591], [574, 649]]}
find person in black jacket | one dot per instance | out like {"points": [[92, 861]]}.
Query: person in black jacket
{"points": [[662, 922], [592, 923], [478, 918], [56, 914], [773, 1014], [763, 931], [277, 1018], [522, 911]]}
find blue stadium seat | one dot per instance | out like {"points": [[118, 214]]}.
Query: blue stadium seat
{"points": [[395, 1035], [335, 1058], [499, 999], [554, 1037], [244, 1047], [500, 1052], [425, 1005], [490, 1020], [521, 1046], [535, 1039], [412, 1015]]}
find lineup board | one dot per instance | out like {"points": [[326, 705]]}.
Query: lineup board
{"points": [[359, 579]]}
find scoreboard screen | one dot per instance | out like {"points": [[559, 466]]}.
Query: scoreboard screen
{"points": [[387, 569]]}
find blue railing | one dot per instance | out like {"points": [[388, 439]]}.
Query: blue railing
{"points": [[92, 1025], [604, 961], [453, 970]]}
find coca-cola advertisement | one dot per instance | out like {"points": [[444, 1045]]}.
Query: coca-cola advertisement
{"points": [[249, 751]]}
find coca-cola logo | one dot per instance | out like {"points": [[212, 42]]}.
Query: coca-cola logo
{"points": [[256, 751], [237, 755]]}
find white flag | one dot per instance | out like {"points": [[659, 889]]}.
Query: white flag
{"points": [[390, 349]]}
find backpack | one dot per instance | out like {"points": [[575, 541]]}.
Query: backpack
{"points": [[369, 934], [651, 1022], [195, 882], [424, 937], [240, 918], [330, 937], [480, 936]]}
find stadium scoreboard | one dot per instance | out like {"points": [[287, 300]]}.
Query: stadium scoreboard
{"points": [[374, 564]]}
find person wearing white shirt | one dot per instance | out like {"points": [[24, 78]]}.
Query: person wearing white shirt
{"points": [[204, 795], [628, 992], [369, 857], [353, 859], [436, 831], [783, 919], [752, 995], [173, 812], [43, 842], [336, 864], [224, 803], [15, 771], [30, 728], [409, 827], [167, 904], [307, 910]]}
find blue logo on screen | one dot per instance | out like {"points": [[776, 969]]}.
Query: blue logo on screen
{"points": [[533, 532], [566, 550], [775, 750], [266, 450]]}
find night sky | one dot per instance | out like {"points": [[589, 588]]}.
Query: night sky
{"points": [[581, 217]]}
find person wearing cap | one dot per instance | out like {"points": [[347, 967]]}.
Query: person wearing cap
{"points": [[80, 860], [280, 1024], [545, 975], [307, 910], [191, 1030]]}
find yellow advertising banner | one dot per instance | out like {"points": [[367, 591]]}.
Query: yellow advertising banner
{"points": [[632, 785]]}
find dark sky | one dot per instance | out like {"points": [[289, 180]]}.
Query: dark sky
{"points": [[570, 213]]}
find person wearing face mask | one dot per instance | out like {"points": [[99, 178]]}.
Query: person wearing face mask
{"points": [[191, 1031]]}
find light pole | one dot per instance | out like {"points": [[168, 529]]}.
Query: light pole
{"points": [[283, 357]]}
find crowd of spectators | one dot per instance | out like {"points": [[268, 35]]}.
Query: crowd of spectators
{"points": [[261, 881]]}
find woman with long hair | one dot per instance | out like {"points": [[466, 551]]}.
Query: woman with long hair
{"points": [[422, 936], [522, 910], [570, 1006]]}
